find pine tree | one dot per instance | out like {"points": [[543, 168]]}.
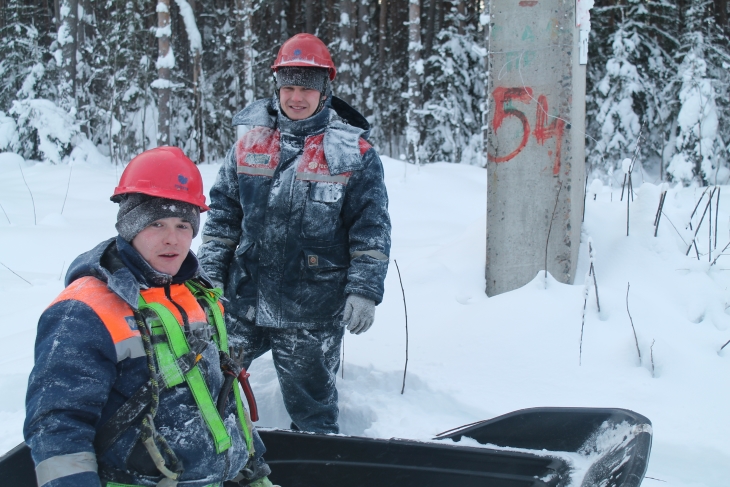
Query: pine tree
{"points": [[700, 149], [628, 76], [455, 87]]}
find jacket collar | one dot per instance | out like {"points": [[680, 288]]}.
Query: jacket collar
{"points": [[125, 272]]}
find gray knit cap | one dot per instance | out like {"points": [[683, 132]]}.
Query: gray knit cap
{"points": [[313, 78], [137, 211]]}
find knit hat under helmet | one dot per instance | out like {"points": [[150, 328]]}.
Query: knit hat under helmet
{"points": [[313, 78], [137, 211]]}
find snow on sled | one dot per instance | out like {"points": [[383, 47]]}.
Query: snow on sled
{"points": [[538, 447]]}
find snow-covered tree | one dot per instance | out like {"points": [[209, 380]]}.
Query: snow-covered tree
{"points": [[700, 145], [455, 87], [625, 88]]}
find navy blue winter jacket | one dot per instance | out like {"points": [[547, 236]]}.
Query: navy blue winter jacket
{"points": [[299, 218], [80, 379]]}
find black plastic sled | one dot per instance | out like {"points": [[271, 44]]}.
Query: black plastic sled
{"points": [[538, 447]]}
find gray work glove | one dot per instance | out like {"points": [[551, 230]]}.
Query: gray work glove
{"points": [[359, 313]]}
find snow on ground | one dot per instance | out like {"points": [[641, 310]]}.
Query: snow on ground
{"points": [[470, 357]]}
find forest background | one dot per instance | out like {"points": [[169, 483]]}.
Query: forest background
{"points": [[128, 75]]}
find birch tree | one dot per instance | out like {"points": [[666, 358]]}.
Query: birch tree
{"points": [[164, 65], [415, 71]]}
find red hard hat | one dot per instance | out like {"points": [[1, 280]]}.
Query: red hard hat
{"points": [[307, 51], [164, 172]]}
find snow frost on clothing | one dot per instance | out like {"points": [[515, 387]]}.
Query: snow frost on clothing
{"points": [[80, 379], [298, 219]]}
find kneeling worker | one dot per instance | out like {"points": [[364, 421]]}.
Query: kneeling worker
{"points": [[132, 385]]}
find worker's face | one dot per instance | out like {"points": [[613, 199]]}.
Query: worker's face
{"points": [[164, 244], [298, 102]]}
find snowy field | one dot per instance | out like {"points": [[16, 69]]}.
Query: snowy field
{"points": [[470, 357]]}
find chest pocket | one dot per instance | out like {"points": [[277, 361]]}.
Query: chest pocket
{"points": [[322, 210]]}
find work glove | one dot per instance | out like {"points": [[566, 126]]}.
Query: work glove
{"points": [[359, 313]]}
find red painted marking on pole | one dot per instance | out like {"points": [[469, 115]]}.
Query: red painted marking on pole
{"points": [[503, 96], [528, 3], [543, 132]]}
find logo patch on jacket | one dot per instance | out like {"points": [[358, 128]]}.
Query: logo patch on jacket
{"points": [[312, 260], [257, 152], [313, 165], [258, 159]]}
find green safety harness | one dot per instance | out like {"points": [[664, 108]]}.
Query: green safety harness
{"points": [[177, 357]]}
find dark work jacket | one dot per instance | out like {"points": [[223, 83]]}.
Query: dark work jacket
{"points": [[299, 218], [81, 377]]}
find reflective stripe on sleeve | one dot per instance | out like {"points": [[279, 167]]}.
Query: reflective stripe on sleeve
{"points": [[375, 254], [225, 241], [129, 348], [64, 465], [255, 171]]}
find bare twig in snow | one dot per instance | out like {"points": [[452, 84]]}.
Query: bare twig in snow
{"points": [[632, 321], [651, 353], [35, 219], [61, 274], [592, 271], [550, 227], [583, 322], [694, 238], [717, 212], [725, 345], [405, 310], [720, 254], [697, 206], [68, 185], [23, 278], [6, 214], [658, 216]]}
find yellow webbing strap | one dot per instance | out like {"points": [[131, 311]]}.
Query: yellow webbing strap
{"points": [[215, 317], [176, 347]]}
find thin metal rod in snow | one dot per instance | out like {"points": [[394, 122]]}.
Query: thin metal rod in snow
{"points": [[550, 227], [405, 310], [68, 185], [35, 219], [658, 216], [23, 278], [632, 321]]}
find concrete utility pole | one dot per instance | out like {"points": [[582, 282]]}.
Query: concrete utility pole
{"points": [[535, 142]]}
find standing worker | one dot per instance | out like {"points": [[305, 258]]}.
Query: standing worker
{"points": [[299, 233], [132, 385]]}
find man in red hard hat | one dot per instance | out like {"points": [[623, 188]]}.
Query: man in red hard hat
{"points": [[299, 234], [129, 386]]}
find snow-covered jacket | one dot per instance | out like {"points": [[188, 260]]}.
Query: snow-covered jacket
{"points": [[83, 375], [299, 218]]}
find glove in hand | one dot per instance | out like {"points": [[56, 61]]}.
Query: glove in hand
{"points": [[359, 313]]}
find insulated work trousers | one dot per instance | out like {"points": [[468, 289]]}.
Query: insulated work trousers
{"points": [[306, 362]]}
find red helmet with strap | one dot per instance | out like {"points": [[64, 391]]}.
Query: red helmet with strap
{"points": [[164, 172], [307, 51]]}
